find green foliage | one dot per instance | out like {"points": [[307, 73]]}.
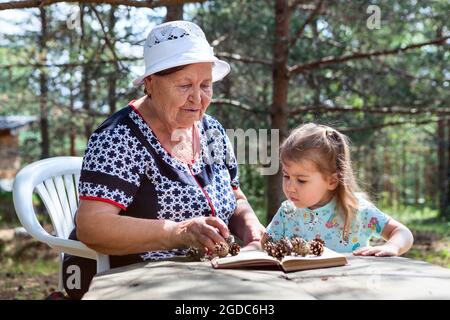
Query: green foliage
{"points": [[423, 219], [397, 165], [431, 233], [38, 267]]}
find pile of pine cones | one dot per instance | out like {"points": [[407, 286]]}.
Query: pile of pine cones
{"points": [[221, 250], [295, 246]]}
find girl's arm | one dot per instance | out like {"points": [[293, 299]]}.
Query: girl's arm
{"points": [[399, 240]]}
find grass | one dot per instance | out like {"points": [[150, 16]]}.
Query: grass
{"points": [[31, 280], [439, 257], [431, 233], [28, 269], [32, 268]]}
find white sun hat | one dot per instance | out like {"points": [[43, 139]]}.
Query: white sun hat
{"points": [[178, 43]]}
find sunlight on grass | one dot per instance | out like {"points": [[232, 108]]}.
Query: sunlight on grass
{"points": [[25, 279], [441, 257], [38, 267], [420, 219], [432, 233]]}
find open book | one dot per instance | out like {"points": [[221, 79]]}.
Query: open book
{"points": [[258, 258]]}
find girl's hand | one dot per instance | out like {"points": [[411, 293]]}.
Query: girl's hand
{"points": [[385, 250]]}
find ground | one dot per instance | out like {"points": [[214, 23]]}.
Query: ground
{"points": [[28, 268]]}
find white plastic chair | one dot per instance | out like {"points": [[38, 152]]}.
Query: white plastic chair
{"points": [[55, 180]]}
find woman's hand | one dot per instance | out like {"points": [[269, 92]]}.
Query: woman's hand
{"points": [[385, 250], [244, 223], [200, 232]]}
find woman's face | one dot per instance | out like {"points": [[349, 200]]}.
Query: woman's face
{"points": [[181, 98]]}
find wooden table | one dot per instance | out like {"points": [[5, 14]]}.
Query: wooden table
{"points": [[363, 278]]}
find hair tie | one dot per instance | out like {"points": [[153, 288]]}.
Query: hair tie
{"points": [[330, 133]]}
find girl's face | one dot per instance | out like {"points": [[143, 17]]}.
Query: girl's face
{"points": [[305, 186]]}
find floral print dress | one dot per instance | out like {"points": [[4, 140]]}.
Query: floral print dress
{"points": [[327, 223]]}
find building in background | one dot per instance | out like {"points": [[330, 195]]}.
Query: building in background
{"points": [[9, 147]]}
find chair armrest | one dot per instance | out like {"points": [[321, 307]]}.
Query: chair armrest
{"points": [[73, 247], [23, 202], [23, 189]]}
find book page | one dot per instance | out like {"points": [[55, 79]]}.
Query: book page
{"points": [[329, 258], [245, 258], [327, 254], [253, 258]]}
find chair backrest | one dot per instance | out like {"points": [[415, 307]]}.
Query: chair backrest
{"points": [[55, 180]]}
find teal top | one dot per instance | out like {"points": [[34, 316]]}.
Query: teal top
{"points": [[327, 223]]}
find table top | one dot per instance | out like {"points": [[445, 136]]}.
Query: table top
{"points": [[362, 278]]}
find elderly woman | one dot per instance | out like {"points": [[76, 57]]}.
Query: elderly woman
{"points": [[159, 176]]}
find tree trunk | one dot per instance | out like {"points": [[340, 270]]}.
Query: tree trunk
{"points": [[404, 180], [397, 183], [112, 77], [447, 179], [443, 183], [387, 177], [429, 181], [417, 177], [279, 112], [43, 108], [174, 12], [377, 168], [86, 94], [72, 129]]}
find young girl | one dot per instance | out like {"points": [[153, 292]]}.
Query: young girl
{"points": [[324, 198]]}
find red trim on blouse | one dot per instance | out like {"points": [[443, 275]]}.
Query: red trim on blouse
{"points": [[104, 200], [135, 109], [234, 187], [213, 212]]}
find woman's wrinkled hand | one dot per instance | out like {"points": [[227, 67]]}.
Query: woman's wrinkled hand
{"points": [[200, 232], [385, 250]]}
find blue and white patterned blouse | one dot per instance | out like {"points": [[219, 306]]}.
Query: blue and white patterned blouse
{"points": [[125, 165], [327, 223]]}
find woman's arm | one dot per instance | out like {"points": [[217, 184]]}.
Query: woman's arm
{"points": [[244, 222], [399, 240], [101, 228]]}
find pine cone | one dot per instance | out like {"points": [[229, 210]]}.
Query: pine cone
{"points": [[266, 238], [221, 249], [234, 249], [316, 246], [299, 246], [270, 247], [280, 251], [230, 240], [195, 253], [320, 240], [286, 246]]}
